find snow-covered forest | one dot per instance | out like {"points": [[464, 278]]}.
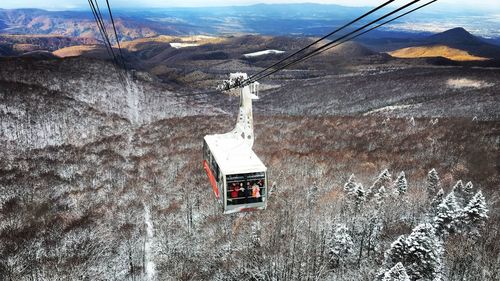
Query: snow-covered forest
{"points": [[91, 189]]}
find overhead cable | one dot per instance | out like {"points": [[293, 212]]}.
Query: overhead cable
{"points": [[247, 81], [324, 37], [375, 27]]}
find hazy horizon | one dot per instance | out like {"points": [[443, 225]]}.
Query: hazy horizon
{"points": [[482, 19], [490, 6]]}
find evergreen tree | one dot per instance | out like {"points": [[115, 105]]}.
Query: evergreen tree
{"points": [[359, 195], [458, 187], [432, 183], [354, 191], [382, 180], [437, 200], [340, 244], [469, 191], [475, 214], [460, 194], [401, 184], [396, 252], [420, 253], [350, 185], [447, 212], [396, 273], [380, 195]]}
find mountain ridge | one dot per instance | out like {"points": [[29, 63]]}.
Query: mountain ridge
{"points": [[306, 19], [460, 38], [457, 38], [435, 51]]}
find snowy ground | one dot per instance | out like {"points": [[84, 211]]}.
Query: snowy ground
{"points": [[132, 202], [461, 83], [183, 45], [262, 53]]}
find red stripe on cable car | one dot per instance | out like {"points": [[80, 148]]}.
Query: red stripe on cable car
{"points": [[211, 178]]}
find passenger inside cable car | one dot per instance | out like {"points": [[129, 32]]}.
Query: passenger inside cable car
{"points": [[243, 189]]}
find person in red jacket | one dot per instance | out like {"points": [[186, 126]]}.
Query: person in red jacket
{"points": [[234, 190]]}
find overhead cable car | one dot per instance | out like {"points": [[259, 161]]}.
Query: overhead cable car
{"points": [[238, 177]]}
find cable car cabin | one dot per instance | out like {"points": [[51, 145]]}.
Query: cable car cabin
{"points": [[238, 177]]}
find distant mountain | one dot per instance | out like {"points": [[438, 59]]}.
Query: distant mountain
{"points": [[16, 45], [300, 21], [461, 39], [81, 24], [350, 50], [271, 19], [435, 51], [264, 19], [45, 42], [455, 36], [90, 51]]}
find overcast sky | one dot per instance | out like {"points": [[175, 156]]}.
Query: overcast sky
{"points": [[490, 6]]}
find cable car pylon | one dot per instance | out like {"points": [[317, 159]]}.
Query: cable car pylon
{"points": [[238, 177]]}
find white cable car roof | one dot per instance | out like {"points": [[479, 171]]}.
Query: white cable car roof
{"points": [[233, 154]]}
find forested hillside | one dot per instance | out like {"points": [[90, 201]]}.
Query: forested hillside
{"points": [[131, 201]]}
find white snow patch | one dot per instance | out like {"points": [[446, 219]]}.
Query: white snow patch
{"points": [[264, 87], [150, 265], [467, 83], [132, 97], [261, 53], [391, 108], [183, 45], [201, 37]]}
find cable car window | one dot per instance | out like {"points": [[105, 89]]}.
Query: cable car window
{"points": [[212, 164], [206, 151], [245, 188], [215, 169], [211, 161]]}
